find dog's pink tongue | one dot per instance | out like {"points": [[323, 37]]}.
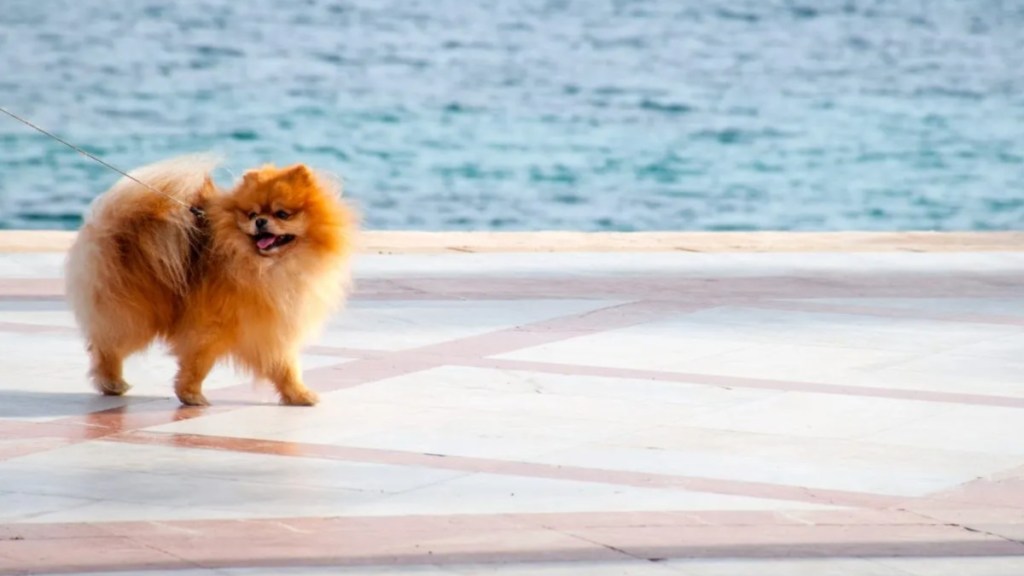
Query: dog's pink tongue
{"points": [[266, 242]]}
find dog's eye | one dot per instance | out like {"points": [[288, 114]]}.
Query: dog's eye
{"points": [[281, 215], [252, 215]]}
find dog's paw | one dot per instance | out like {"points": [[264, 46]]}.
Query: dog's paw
{"points": [[301, 397], [112, 387], [193, 399]]}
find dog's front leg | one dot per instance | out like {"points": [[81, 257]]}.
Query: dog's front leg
{"points": [[287, 378]]}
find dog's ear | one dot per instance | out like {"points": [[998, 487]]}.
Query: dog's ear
{"points": [[251, 178], [208, 186], [298, 175]]}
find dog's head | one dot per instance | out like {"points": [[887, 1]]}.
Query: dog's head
{"points": [[283, 209], [270, 207]]}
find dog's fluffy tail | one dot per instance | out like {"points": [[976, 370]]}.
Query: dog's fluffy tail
{"points": [[132, 226]]}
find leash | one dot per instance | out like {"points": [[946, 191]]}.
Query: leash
{"points": [[195, 210]]}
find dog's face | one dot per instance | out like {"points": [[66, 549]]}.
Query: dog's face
{"points": [[271, 207], [277, 215]]}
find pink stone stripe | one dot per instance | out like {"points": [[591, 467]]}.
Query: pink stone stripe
{"points": [[1004, 490], [741, 382], [513, 468], [27, 328], [887, 312], [646, 286], [34, 287], [129, 547], [339, 377], [23, 447], [653, 286], [478, 346], [801, 542]]}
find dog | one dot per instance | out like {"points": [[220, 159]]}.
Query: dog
{"points": [[248, 275]]}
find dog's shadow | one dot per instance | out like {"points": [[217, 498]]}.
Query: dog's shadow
{"points": [[25, 404], [22, 404]]}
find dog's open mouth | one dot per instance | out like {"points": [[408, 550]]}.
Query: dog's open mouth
{"points": [[267, 242]]}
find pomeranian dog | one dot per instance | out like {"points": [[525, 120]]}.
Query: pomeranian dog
{"points": [[249, 279]]}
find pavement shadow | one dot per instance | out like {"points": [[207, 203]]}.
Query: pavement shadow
{"points": [[32, 404]]}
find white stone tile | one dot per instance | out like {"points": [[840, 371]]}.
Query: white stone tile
{"points": [[788, 460], [38, 315], [452, 441], [477, 412], [481, 412], [758, 343], [32, 264], [554, 395], [394, 325], [113, 458], [130, 482], [177, 509], [653, 346], [812, 415], [836, 329], [499, 494], [992, 368], [515, 434], [798, 363], [1004, 348], [778, 344], [982, 429], [20, 507], [140, 496]]}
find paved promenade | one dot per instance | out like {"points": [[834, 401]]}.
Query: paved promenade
{"points": [[735, 405]]}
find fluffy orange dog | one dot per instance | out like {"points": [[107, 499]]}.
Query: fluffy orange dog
{"points": [[249, 282]]}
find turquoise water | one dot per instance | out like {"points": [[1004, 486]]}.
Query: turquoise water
{"points": [[522, 114]]}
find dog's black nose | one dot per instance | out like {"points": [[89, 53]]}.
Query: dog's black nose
{"points": [[261, 223]]}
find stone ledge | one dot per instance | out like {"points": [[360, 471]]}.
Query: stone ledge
{"points": [[401, 242]]}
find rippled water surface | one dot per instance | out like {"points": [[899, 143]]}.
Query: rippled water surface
{"points": [[524, 114]]}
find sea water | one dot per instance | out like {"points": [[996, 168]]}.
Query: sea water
{"points": [[537, 114]]}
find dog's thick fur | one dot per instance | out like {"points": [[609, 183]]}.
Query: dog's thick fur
{"points": [[249, 282]]}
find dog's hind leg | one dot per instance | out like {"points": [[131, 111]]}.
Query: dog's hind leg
{"points": [[111, 340], [106, 370], [194, 364]]}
